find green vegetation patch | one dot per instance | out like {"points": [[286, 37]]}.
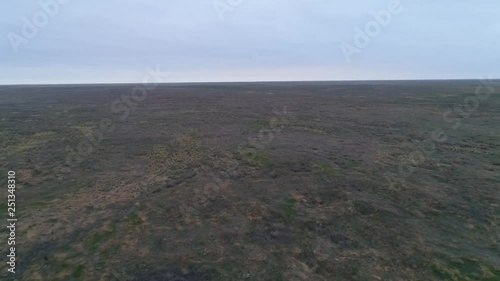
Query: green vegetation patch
{"points": [[98, 238], [257, 157], [78, 272], [134, 219], [326, 169], [465, 269], [36, 140], [259, 124], [289, 207]]}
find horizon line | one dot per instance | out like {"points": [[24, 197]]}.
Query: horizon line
{"points": [[253, 81]]}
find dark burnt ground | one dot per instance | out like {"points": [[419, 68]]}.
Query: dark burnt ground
{"points": [[271, 181]]}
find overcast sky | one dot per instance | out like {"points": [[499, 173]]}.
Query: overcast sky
{"points": [[99, 41]]}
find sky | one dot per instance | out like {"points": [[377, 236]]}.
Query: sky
{"points": [[116, 41]]}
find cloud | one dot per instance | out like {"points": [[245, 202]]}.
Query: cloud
{"points": [[257, 40]]}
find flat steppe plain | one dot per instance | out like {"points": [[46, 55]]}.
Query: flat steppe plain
{"points": [[253, 181]]}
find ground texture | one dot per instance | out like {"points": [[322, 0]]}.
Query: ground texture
{"points": [[269, 181]]}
